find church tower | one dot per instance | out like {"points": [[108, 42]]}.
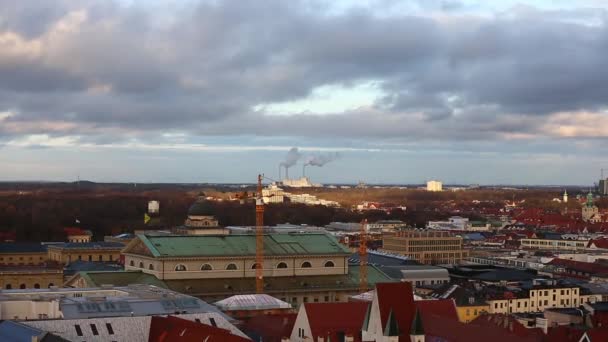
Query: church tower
{"points": [[565, 200]]}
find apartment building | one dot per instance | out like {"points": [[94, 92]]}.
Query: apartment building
{"points": [[539, 298], [554, 244]]}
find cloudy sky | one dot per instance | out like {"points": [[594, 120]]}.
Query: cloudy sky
{"points": [[488, 92]]}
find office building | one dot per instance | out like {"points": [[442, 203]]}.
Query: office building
{"points": [[425, 246], [434, 185]]}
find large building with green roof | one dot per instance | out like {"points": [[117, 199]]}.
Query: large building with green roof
{"points": [[297, 267]]}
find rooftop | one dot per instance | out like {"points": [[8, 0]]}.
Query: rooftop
{"points": [[251, 302], [242, 245], [6, 247], [234, 286], [88, 245]]}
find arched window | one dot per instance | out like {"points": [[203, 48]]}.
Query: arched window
{"points": [[329, 264], [8, 286], [206, 267], [22, 286], [180, 267], [101, 258], [306, 264], [231, 267], [51, 284], [281, 265], [151, 267], [254, 266], [131, 263], [36, 286], [141, 264]]}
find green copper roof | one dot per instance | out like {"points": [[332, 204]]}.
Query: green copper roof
{"points": [[120, 278], [589, 199], [242, 245]]}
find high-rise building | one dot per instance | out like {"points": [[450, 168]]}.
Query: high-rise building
{"points": [[434, 185], [603, 187]]}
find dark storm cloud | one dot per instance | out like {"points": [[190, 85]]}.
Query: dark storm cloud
{"points": [[113, 70]]}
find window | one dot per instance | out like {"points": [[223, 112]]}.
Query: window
{"points": [[131, 263], [254, 266], [110, 257], [206, 267], [141, 264], [231, 267], [151, 267], [212, 321], [281, 265], [8, 286], [180, 267], [326, 298], [329, 264], [90, 258], [110, 329], [51, 284], [22, 286], [546, 302], [306, 264], [197, 320], [36, 286], [80, 257], [78, 330], [305, 299], [94, 329]]}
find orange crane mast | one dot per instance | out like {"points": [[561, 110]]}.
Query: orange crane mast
{"points": [[259, 239], [363, 257]]}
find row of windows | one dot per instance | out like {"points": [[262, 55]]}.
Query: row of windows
{"points": [[94, 329], [20, 258], [207, 267], [23, 286]]}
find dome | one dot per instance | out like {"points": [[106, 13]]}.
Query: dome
{"points": [[201, 208]]}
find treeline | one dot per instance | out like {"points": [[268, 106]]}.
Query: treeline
{"points": [[42, 217]]}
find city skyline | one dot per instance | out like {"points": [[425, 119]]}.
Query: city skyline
{"points": [[200, 91]]}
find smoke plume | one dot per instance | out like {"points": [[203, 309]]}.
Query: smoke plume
{"points": [[321, 159], [291, 158]]}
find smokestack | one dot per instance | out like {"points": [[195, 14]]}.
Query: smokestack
{"points": [[286, 172], [303, 170], [280, 171]]}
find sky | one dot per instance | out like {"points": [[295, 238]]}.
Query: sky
{"points": [[464, 91]]}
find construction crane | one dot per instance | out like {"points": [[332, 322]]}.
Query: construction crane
{"points": [[259, 238], [363, 257]]}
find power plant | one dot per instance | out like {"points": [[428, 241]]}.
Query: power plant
{"points": [[291, 159]]}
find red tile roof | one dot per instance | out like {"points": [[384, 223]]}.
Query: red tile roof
{"points": [[167, 329], [397, 298], [441, 307], [271, 328], [563, 334], [598, 334], [599, 243], [74, 231], [329, 319], [443, 329], [580, 266], [506, 324]]}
